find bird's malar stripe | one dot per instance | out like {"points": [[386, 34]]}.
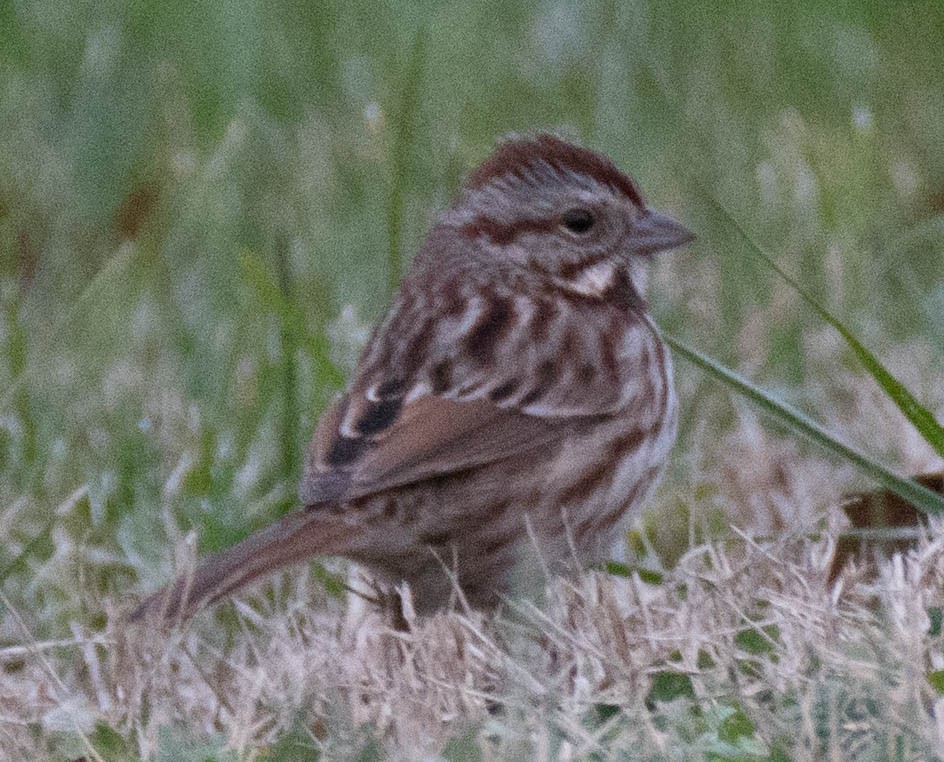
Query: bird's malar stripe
{"points": [[574, 270], [624, 295]]}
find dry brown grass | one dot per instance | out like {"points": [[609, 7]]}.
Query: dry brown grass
{"points": [[749, 627]]}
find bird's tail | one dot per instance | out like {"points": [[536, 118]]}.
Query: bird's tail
{"points": [[295, 537]]}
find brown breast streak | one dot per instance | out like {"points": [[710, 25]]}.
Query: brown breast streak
{"points": [[600, 525], [496, 319]]}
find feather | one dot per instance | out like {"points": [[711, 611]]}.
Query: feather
{"points": [[293, 538]]}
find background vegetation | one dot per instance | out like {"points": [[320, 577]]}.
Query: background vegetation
{"points": [[204, 206]]}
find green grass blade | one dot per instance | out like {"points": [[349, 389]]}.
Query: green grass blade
{"points": [[289, 439], [922, 498], [403, 141], [108, 279], [293, 325], [919, 416]]}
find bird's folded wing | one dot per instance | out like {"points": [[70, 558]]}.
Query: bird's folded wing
{"points": [[430, 437], [433, 398]]}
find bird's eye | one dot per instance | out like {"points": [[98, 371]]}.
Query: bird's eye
{"points": [[578, 220]]}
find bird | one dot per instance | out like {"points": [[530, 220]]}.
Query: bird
{"points": [[515, 402]]}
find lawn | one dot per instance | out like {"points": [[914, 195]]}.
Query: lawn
{"points": [[205, 207]]}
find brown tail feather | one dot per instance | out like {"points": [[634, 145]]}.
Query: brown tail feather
{"points": [[295, 537]]}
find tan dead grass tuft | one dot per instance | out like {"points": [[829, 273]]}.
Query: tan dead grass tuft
{"points": [[750, 625]]}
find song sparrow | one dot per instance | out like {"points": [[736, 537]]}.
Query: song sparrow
{"points": [[516, 398]]}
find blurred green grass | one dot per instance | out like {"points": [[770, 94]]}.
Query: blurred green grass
{"points": [[191, 194]]}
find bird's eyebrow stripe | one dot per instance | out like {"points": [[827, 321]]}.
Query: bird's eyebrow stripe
{"points": [[505, 233]]}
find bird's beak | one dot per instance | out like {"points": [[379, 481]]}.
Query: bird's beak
{"points": [[657, 232]]}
